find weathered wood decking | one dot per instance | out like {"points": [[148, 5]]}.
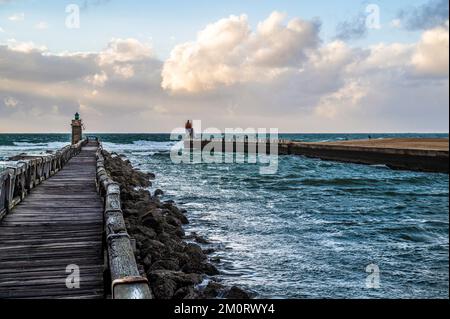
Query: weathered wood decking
{"points": [[59, 224]]}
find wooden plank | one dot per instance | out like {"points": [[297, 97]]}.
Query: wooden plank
{"points": [[48, 247], [37, 293], [46, 223], [48, 270], [56, 262], [62, 204]]}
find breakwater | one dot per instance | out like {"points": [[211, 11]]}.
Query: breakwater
{"points": [[423, 155]]}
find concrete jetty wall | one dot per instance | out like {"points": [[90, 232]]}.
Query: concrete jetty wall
{"points": [[414, 154]]}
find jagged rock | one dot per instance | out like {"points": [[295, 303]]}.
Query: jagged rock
{"points": [[236, 293], [216, 260], [153, 247], [153, 220], [165, 283], [209, 251], [213, 290], [164, 288], [186, 293], [166, 264], [197, 262], [149, 232], [158, 192]]}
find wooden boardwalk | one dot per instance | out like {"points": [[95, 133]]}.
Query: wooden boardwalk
{"points": [[59, 224]]}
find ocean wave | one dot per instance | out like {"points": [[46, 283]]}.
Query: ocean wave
{"points": [[382, 166], [23, 147], [338, 182], [28, 144], [140, 147]]}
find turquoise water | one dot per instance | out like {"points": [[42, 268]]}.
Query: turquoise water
{"points": [[310, 230]]}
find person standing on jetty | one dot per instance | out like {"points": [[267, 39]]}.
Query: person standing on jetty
{"points": [[189, 129]]}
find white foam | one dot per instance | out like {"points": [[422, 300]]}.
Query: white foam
{"points": [[140, 147], [30, 148], [27, 144]]}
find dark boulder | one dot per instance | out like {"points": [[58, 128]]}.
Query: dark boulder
{"points": [[213, 290], [158, 192], [236, 293]]}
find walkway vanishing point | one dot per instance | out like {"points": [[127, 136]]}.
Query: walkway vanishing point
{"points": [[53, 213]]}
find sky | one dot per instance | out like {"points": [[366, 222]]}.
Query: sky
{"points": [[299, 66]]}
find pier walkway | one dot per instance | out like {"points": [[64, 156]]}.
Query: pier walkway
{"points": [[53, 233], [62, 230]]}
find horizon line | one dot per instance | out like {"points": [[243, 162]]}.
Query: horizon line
{"points": [[154, 133]]}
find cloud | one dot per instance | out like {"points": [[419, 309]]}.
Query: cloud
{"points": [[10, 102], [394, 84], [433, 13], [396, 23], [24, 47], [17, 17], [93, 3], [97, 80], [126, 71], [120, 58], [6, 1], [432, 53], [41, 80], [347, 97], [41, 25], [25, 61], [159, 109], [353, 29], [124, 50], [229, 52]]}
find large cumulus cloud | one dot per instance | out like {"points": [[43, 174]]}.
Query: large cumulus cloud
{"points": [[432, 52], [228, 52]]}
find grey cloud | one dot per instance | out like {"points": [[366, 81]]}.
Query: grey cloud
{"points": [[352, 29], [50, 88], [36, 66], [93, 3], [429, 15]]}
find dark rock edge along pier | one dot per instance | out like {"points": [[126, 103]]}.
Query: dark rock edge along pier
{"points": [[174, 267]]}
